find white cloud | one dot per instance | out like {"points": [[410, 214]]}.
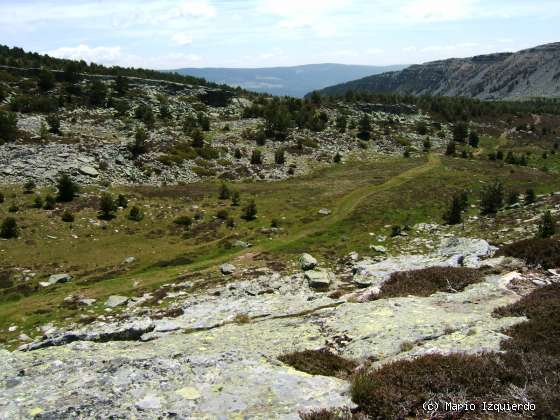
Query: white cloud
{"points": [[182, 39], [438, 10], [114, 55], [89, 54], [196, 8], [316, 15]]}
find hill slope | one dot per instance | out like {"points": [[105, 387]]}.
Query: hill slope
{"points": [[527, 73], [287, 81]]}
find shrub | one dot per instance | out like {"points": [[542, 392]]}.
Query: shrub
{"points": [[395, 230], [9, 228], [67, 188], [450, 150], [67, 216], [197, 138], [530, 196], [145, 114], [50, 202], [46, 80], [427, 281], [337, 158], [1, 197], [279, 157], [256, 157], [8, 127], [250, 211], [275, 223], [535, 252], [38, 202], [14, 208], [453, 216], [237, 153], [399, 389], [203, 121], [107, 207], [547, 227], [185, 221], [54, 123], [492, 198], [320, 362], [135, 214], [513, 198], [225, 192], [139, 145], [28, 187], [235, 198], [122, 201], [230, 222], [474, 140], [222, 214]]}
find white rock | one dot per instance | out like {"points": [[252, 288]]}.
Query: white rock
{"points": [[307, 262], [149, 402], [227, 269], [319, 278], [115, 301], [59, 278], [89, 171]]}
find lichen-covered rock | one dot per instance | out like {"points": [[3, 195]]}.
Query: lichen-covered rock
{"points": [[319, 278], [307, 262]]}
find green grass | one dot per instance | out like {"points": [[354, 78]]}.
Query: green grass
{"points": [[364, 197]]}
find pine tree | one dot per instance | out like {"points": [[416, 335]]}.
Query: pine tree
{"points": [[256, 157], [492, 198], [453, 216], [67, 188], [547, 227], [530, 196], [235, 198], [450, 150], [135, 214], [250, 211], [107, 207], [225, 192], [460, 132], [474, 140], [279, 157], [9, 228], [197, 138]]}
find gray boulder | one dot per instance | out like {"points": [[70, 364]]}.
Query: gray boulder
{"points": [[59, 278], [115, 301], [319, 278], [307, 262], [227, 269], [89, 171]]}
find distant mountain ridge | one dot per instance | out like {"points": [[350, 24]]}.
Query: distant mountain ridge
{"points": [[287, 81], [533, 72]]}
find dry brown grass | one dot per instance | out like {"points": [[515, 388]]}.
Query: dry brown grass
{"points": [[320, 362], [428, 281]]}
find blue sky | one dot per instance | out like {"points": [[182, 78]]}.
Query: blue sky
{"points": [[167, 34]]}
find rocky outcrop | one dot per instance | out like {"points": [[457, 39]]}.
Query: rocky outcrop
{"points": [[526, 74]]}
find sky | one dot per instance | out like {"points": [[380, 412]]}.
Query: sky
{"points": [[171, 34]]}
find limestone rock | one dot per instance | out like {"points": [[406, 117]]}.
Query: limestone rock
{"points": [[59, 278], [227, 269], [89, 171], [115, 300], [307, 262], [319, 278]]}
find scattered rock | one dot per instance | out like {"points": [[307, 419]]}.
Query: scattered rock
{"points": [[378, 248], [129, 260], [324, 212], [319, 278], [149, 402], [115, 301], [307, 262], [89, 171], [59, 278], [227, 269]]}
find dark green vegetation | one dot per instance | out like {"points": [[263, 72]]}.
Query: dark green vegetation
{"points": [[320, 362], [428, 281], [71, 70]]}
